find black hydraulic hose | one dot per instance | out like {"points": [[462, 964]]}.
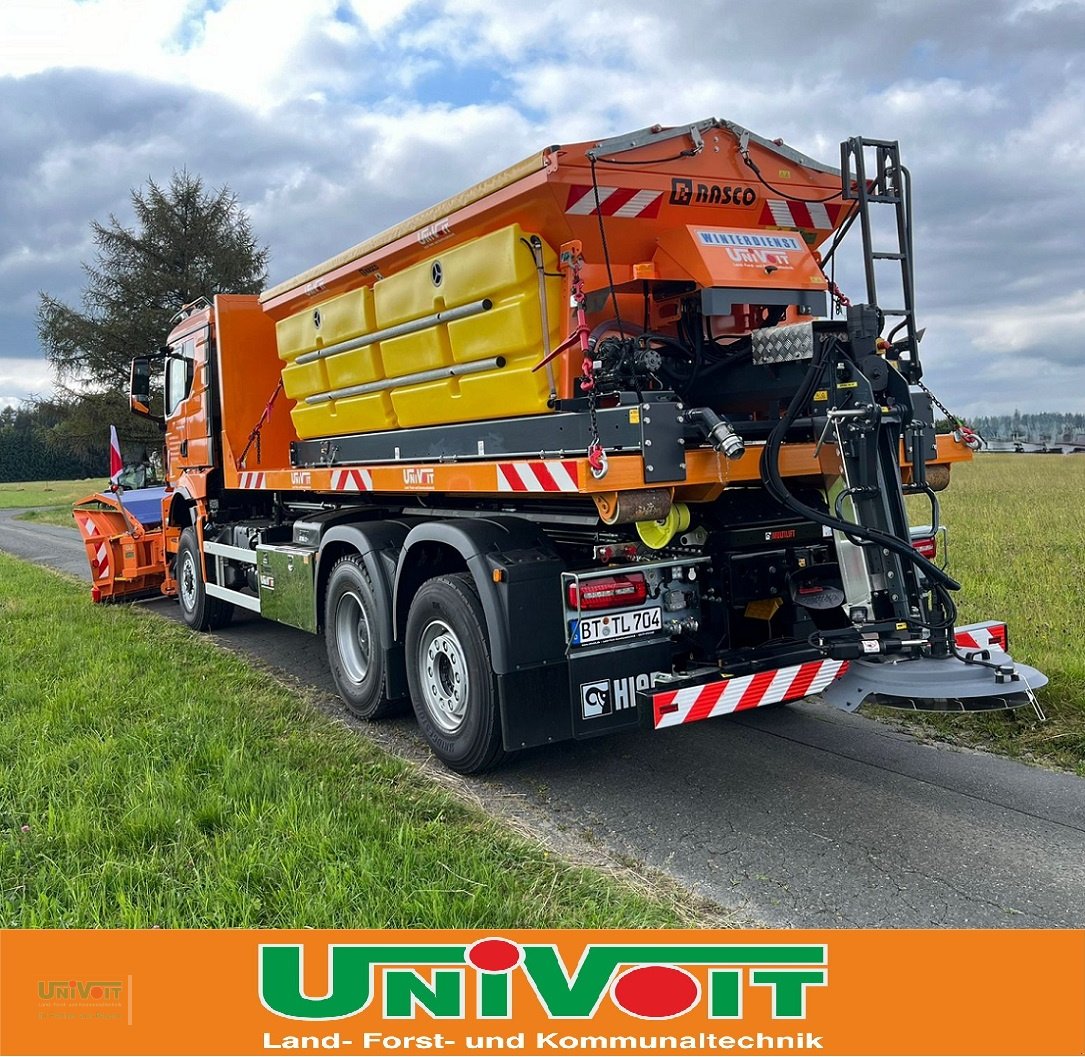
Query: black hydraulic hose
{"points": [[784, 194], [774, 484], [730, 359], [668, 341], [971, 658], [606, 250], [839, 237]]}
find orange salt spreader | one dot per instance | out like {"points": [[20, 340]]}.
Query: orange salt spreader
{"points": [[592, 444]]}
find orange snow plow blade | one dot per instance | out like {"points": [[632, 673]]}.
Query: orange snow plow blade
{"points": [[122, 535]]}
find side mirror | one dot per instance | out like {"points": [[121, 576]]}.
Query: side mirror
{"points": [[139, 390]]}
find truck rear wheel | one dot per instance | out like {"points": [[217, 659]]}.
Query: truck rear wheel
{"points": [[353, 637], [451, 677], [199, 610]]}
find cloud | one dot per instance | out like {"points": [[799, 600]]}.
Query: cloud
{"points": [[335, 118], [256, 52], [1021, 328], [22, 377]]}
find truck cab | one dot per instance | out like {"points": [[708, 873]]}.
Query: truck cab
{"points": [[188, 397]]}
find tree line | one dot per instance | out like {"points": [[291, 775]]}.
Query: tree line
{"points": [[1032, 426], [32, 447]]}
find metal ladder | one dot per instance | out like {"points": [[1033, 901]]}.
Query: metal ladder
{"points": [[891, 184]]}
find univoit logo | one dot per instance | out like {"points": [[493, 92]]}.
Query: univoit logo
{"points": [[79, 990], [646, 981], [81, 999]]}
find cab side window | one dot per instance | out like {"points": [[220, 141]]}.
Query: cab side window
{"points": [[179, 372]]}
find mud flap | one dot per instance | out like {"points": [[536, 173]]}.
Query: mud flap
{"points": [[927, 684]]}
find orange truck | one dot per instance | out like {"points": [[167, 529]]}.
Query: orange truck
{"points": [[594, 444]]}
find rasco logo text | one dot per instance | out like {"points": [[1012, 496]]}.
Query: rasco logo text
{"points": [[650, 981]]}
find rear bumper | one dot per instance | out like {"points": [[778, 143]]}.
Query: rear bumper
{"points": [[721, 697]]}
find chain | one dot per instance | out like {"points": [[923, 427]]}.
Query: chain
{"points": [[962, 432], [840, 299], [597, 456], [254, 436]]}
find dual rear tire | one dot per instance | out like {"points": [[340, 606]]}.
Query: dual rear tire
{"points": [[449, 671], [352, 629]]}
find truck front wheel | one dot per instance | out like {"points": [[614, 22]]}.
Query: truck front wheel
{"points": [[353, 637], [451, 676], [199, 610]]}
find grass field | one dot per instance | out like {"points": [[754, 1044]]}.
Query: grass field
{"points": [[47, 493], [52, 500], [1017, 544], [149, 777]]}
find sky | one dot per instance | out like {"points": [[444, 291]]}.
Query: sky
{"points": [[333, 119]]}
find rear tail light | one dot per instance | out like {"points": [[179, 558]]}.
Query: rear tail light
{"points": [[927, 546], [608, 592], [1000, 633]]}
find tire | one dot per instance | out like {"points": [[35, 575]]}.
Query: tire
{"points": [[453, 688], [352, 635], [199, 610]]}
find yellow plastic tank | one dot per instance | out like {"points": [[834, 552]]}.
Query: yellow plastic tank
{"points": [[498, 268]]}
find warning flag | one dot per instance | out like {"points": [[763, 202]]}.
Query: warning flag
{"points": [[116, 463]]}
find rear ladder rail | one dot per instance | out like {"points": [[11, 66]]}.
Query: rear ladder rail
{"points": [[890, 184]]}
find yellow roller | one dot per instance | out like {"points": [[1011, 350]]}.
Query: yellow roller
{"points": [[657, 534]]}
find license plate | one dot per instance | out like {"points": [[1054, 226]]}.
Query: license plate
{"points": [[591, 630]]}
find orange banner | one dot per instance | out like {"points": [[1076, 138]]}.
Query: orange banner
{"points": [[606, 992]]}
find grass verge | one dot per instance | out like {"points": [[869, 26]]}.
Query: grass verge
{"points": [[151, 778], [49, 515], [1017, 544]]}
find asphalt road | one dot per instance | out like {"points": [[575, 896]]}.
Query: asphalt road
{"points": [[799, 816]]}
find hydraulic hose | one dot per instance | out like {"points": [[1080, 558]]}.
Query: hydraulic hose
{"points": [[630, 329], [940, 580]]}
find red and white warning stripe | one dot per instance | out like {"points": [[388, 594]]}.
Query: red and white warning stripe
{"points": [[97, 547], [100, 564], [819, 216], [251, 479], [544, 475], [990, 635], [352, 481], [692, 703], [614, 201]]}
